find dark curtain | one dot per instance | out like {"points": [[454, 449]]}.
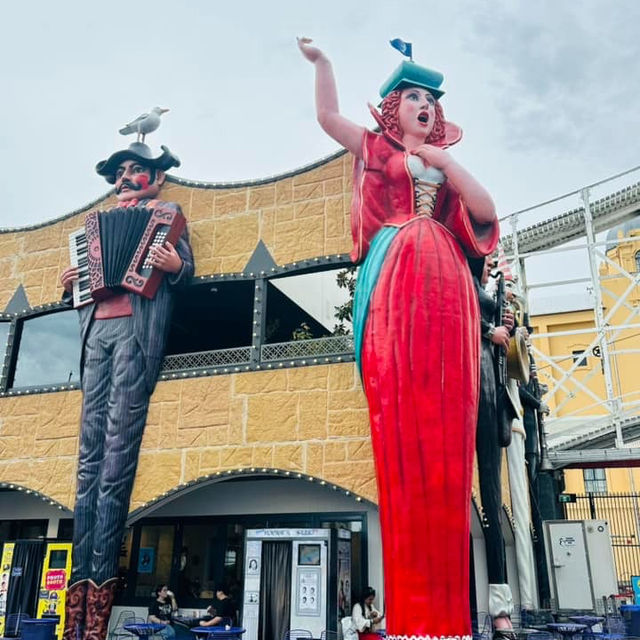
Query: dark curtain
{"points": [[275, 590], [23, 584]]}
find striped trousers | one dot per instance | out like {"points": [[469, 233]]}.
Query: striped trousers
{"points": [[114, 412]]}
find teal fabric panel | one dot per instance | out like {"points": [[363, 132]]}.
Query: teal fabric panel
{"points": [[367, 279]]}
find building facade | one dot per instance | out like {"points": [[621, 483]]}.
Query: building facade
{"points": [[258, 420]]}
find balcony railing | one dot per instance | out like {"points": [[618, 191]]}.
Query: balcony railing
{"points": [[207, 359], [331, 347], [312, 350]]}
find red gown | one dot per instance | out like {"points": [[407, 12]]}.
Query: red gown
{"points": [[420, 371]]}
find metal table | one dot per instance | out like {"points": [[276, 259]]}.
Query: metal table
{"points": [[218, 633], [588, 620], [567, 630], [144, 629]]}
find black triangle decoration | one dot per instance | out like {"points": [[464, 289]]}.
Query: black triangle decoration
{"points": [[260, 260], [18, 302]]}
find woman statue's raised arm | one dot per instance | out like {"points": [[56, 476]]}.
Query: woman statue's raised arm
{"points": [[343, 131]]}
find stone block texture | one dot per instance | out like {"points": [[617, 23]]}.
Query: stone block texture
{"points": [[310, 420]]}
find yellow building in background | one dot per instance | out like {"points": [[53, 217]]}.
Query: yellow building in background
{"points": [[570, 363], [573, 369]]}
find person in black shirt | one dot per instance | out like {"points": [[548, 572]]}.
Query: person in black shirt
{"points": [[162, 609], [223, 610]]}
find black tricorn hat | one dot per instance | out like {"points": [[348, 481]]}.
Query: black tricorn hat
{"points": [[140, 152]]}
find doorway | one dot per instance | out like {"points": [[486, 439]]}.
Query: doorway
{"points": [[275, 588]]}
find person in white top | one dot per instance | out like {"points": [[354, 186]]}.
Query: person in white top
{"points": [[365, 617]]}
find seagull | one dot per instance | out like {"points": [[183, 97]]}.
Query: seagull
{"points": [[143, 124]]}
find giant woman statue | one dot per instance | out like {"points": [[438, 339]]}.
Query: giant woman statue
{"points": [[416, 214]]}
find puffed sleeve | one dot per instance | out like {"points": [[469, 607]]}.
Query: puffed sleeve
{"points": [[368, 204], [476, 240]]}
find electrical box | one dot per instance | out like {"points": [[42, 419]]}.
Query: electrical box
{"points": [[580, 562]]}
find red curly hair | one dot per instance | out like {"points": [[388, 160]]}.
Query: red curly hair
{"points": [[390, 106]]}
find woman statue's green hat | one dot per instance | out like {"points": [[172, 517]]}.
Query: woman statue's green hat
{"points": [[410, 74]]}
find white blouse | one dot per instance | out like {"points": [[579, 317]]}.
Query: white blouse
{"points": [[363, 622]]}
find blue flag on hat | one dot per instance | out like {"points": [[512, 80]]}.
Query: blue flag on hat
{"points": [[403, 47]]}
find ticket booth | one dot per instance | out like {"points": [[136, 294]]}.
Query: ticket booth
{"points": [[295, 579]]}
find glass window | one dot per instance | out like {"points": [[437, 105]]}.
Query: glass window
{"points": [[198, 562], [49, 350], [308, 305], [638, 262], [580, 357], [154, 558], [595, 480], [353, 589], [125, 553], [215, 315], [65, 529], [232, 570], [4, 334], [195, 556], [11, 530]]}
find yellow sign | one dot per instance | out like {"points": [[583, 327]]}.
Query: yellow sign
{"points": [[5, 576], [56, 570]]}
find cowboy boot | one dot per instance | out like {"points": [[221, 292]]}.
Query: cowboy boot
{"points": [[74, 610], [99, 603]]}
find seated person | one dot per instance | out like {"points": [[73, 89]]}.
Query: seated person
{"points": [[162, 609], [364, 616], [223, 610]]}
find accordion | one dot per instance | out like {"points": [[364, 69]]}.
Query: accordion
{"points": [[112, 250]]}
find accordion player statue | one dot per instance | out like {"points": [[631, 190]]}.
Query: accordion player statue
{"points": [[124, 316]]}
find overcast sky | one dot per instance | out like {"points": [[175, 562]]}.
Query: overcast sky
{"points": [[546, 92]]}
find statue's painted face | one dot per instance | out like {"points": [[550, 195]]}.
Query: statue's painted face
{"points": [[417, 112], [134, 180]]}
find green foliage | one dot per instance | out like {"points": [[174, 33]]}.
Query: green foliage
{"points": [[303, 332], [345, 279]]}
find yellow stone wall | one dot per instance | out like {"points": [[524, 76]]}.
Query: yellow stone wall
{"points": [[311, 419], [302, 216]]}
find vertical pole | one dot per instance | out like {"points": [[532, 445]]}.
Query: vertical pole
{"points": [[518, 263], [259, 320], [10, 355], [612, 400]]}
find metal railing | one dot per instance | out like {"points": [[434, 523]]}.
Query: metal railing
{"points": [[315, 348], [298, 350], [207, 359], [622, 512], [563, 265]]}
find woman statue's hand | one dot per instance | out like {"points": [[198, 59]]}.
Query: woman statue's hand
{"points": [[312, 54], [434, 156]]}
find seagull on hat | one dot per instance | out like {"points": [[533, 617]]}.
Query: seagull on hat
{"points": [[143, 124]]}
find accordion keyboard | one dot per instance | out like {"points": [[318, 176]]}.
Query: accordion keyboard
{"points": [[78, 253], [158, 241]]}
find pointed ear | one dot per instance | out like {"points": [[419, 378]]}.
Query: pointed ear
{"points": [[160, 177]]}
